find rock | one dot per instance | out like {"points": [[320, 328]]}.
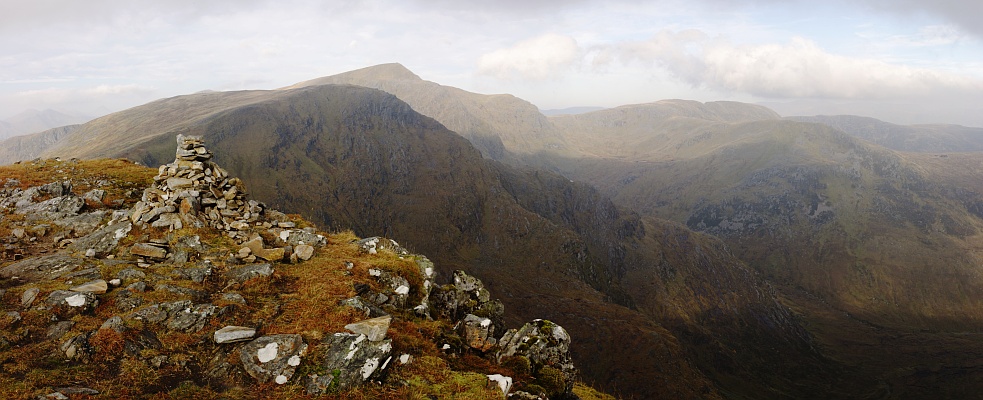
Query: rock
{"points": [[351, 360], [273, 358], [295, 237], [192, 319], [304, 252], [130, 274], [104, 240], [59, 329], [94, 196], [374, 329], [175, 183], [275, 254], [98, 286], [232, 334], [467, 295], [233, 298], [18, 233], [477, 332], [545, 344], [85, 274], [77, 347], [115, 323], [89, 253], [27, 298], [67, 303], [148, 250], [45, 267], [160, 312], [369, 309], [55, 396], [196, 274], [244, 273], [503, 382], [137, 286], [77, 390]]}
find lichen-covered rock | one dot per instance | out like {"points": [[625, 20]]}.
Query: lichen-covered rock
{"points": [[66, 303], [104, 240], [546, 345], [375, 244], [245, 273], [273, 358], [351, 360], [477, 332], [296, 237], [42, 268], [396, 289], [467, 295]]}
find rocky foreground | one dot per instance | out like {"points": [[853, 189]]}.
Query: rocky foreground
{"points": [[116, 282]]}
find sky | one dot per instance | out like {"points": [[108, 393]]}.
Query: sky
{"points": [[903, 61]]}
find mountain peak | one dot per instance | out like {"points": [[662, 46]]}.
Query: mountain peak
{"points": [[376, 73]]}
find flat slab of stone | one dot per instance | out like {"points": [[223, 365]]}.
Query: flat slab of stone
{"points": [[232, 334], [374, 329], [98, 286], [148, 250]]}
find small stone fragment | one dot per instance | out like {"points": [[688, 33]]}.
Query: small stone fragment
{"points": [[374, 329], [231, 334]]}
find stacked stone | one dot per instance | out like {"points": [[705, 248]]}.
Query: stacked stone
{"points": [[193, 191]]}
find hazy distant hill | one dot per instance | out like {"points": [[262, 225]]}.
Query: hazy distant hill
{"points": [[918, 138], [570, 110], [32, 121]]}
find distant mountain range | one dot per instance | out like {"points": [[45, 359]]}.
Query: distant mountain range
{"points": [[701, 250], [32, 121]]}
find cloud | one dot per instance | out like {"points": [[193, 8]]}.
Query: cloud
{"points": [[797, 69], [538, 58]]}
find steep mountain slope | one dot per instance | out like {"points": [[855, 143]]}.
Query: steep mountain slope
{"points": [[861, 226], [916, 138], [501, 126], [346, 156]]}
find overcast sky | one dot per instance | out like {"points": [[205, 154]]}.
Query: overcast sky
{"points": [[905, 61]]}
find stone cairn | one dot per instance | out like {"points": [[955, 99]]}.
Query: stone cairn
{"points": [[193, 191]]}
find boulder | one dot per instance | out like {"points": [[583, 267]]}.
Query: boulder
{"points": [[477, 332], [467, 295], [104, 240], [304, 252], [273, 358], [545, 344], [351, 359]]}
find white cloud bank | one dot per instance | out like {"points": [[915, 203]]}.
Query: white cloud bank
{"points": [[539, 58], [797, 69]]}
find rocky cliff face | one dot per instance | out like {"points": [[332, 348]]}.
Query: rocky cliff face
{"points": [[166, 297]]}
